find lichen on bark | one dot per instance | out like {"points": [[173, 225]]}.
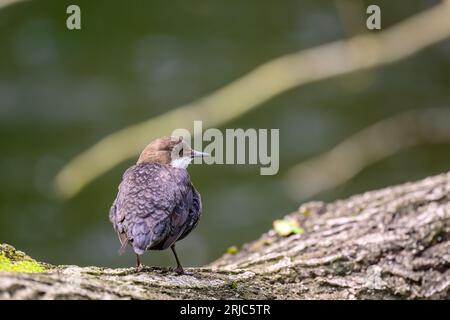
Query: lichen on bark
{"points": [[12, 260]]}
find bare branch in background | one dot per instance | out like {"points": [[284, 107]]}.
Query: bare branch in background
{"points": [[263, 83], [349, 13], [375, 143], [5, 3]]}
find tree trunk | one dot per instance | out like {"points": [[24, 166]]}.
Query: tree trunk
{"points": [[390, 243]]}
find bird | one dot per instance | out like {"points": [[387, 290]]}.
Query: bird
{"points": [[156, 203]]}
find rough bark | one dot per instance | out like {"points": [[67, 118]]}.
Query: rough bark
{"points": [[391, 243]]}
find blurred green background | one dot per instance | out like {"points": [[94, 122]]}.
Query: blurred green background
{"points": [[61, 91]]}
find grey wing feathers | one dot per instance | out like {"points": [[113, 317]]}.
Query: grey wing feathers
{"points": [[195, 212], [152, 206]]}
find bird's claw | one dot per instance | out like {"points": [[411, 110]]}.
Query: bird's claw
{"points": [[178, 270], [139, 268]]}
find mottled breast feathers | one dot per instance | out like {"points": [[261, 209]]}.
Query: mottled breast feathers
{"points": [[156, 206]]}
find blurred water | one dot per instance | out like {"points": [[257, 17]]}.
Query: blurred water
{"points": [[61, 91]]}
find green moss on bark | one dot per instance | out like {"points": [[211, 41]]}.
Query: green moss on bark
{"points": [[12, 260]]}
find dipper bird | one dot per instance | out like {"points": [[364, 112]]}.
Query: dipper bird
{"points": [[157, 204]]}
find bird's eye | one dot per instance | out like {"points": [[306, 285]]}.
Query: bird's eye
{"points": [[180, 153]]}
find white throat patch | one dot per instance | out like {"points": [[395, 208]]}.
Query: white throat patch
{"points": [[181, 163]]}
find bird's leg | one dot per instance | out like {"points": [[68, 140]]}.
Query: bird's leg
{"points": [[179, 268], [138, 264]]}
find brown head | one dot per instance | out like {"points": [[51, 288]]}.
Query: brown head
{"points": [[170, 151]]}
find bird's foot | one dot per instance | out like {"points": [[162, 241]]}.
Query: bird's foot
{"points": [[179, 270], [139, 268]]}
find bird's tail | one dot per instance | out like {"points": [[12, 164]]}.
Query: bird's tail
{"points": [[123, 241]]}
